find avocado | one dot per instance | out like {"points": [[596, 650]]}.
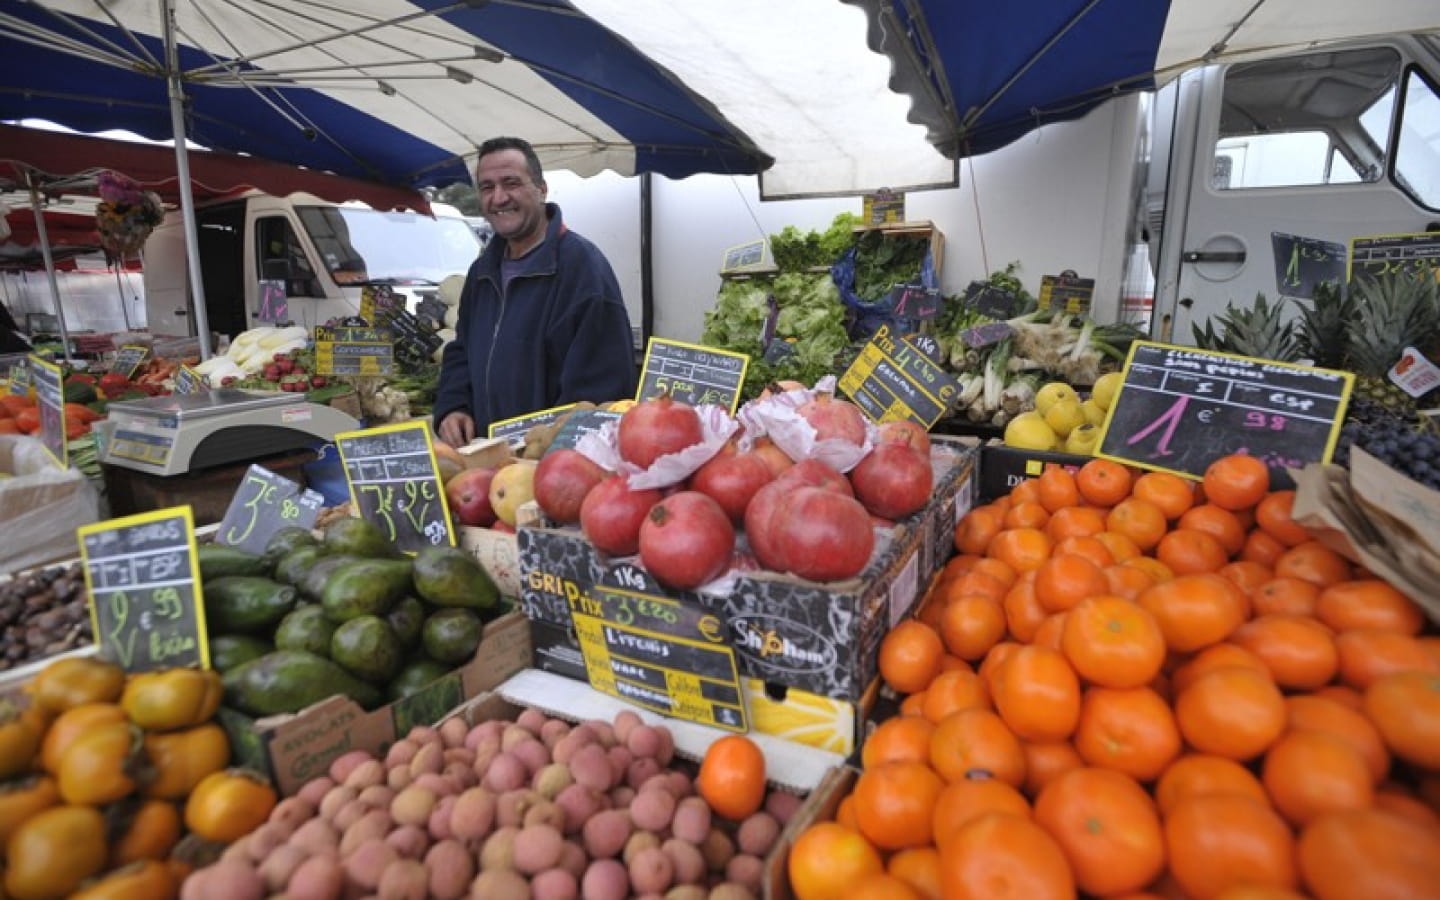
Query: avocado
{"points": [[217, 560], [367, 648], [406, 618], [287, 681], [245, 603], [413, 677], [305, 628], [365, 587], [293, 566], [230, 650], [451, 635], [448, 576], [286, 539], [358, 537], [312, 586]]}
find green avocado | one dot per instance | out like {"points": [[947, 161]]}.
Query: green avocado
{"points": [[291, 537], [367, 648], [451, 635], [305, 628], [230, 650], [448, 576], [293, 566], [406, 618], [413, 677], [365, 587], [358, 537], [217, 560], [312, 585], [287, 681], [245, 603]]}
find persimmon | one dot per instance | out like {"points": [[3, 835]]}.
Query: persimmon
{"points": [[1139, 520], [1405, 707], [919, 867], [1113, 642], [1000, 855], [973, 741], [1407, 806], [1368, 603], [732, 777], [827, 859], [900, 738], [1129, 730], [895, 804], [1310, 773], [1199, 775], [1044, 760], [1312, 712], [1189, 552], [1172, 494], [1064, 580], [1233, 712], [967, 799], [1369, 853], [1299, 651], [1220, 523], [1107, 827], [970, 625], [882, 886], [1273, 515], [1314, 562], [1285, 595], [1366, 654], [1037, 694], [910, 655], [1236, 481], [952, 691], [1218, 841], [1195, 610], [1103, 482]]}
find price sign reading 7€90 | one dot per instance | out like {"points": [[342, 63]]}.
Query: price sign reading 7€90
{"points": [[395, 483]]}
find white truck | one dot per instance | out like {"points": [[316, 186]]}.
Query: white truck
{"points": [[320, 253]]}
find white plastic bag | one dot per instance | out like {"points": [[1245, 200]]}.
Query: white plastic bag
{"points": [[41, 505]]}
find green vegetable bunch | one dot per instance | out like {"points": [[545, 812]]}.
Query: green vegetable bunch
{"points": [[796, 251]]}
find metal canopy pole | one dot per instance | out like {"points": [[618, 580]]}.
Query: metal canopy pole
{"points": [[182, 169], [44, 234]]}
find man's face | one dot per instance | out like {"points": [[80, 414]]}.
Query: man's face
{"points": [[510, 200]]}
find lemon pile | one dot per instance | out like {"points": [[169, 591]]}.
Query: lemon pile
{"points": [[1061, 420]]}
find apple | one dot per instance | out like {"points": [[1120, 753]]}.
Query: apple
{"points": [[512, 487], [468, 495], [906, 431], [562, 480]]}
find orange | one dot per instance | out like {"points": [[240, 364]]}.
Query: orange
{"points": [[1405, 707], [1236, 481], [1314, 562], [974, 583], [1057, 489], [1102, 482], [732, 777], [1037, 694], [1189, 552], [883, 886], [977, 529], [1005, 857], [1273, 515], [845, 815], [1247, 575], [1262, 548], [951, 692], [1027, 491], [1285, 596], [1219, 841], [1220, 523], [1107, 827], [965, 800], [1171, 493], [1310, 773], [971, 625], [1063, 581], [827, 860], [1045, 761], [1258, 892], [995, 569], [1369, 853], [1121, 547], [1407, 806], [1075, 521], [1368, 603], [1026, 515], [1113, 642], [900, 738], [919, 867], [1022, 549], [1023, 613], [1153, 567], [1128, 582], [894, 803], [1216, 656], [1088, 546], [910, 655], [1128, 730], [1195, 610], [913, 705], [1343, 694], [1199, 774], [1232, 712], [1299, 652], [994, 660], [958, 565], [1316, 713], [1139, 520], [1367, 654], [974, 741], [1050, 631]]}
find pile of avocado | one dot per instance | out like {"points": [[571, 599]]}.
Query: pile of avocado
{"points": [[344, 613]]}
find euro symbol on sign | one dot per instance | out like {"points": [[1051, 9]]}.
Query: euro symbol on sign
{"points": [[709, 627], [1205, 414]]}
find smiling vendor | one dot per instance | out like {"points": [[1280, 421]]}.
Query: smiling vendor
{"points": [[542, 321]]}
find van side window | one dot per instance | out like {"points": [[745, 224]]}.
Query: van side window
{"points": [[1322, 118], [1417, 150], [283, 258]]}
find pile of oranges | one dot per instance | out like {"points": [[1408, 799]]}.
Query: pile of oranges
{"points": [[1130, 685]]}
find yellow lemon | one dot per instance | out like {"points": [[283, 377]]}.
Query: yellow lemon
{"points": [[1083, 440], [1052, 393], [1094, 412], [1106, 387], [1064, 416], [1028, 431]]}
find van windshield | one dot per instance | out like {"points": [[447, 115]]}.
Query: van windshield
{"points": [[404, 248]]}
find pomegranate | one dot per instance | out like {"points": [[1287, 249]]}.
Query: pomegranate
{"points": [[906, 431], [820, 535], [814, 473], [686, 540], [834, 419], [893, 480], [731, 479], [778, 460], [562, 480], [611, 515], [653, 428], [758, 515]]}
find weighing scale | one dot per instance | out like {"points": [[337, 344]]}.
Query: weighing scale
{"points": [[185, 433]]}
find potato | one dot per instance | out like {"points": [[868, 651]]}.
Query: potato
{"points": [[453, 731], [315, 837], [666, 754], [577, 803], [551, 780], [349, 814], [314, 790], [604, 733], [451, 868], [409, 841], [429, 758], [625, 722], [605, 879], [506, 773], [731, 891], [687, 860], [317, 878], [651, 871], [573, 858], [460, 774], [375, 824], [782, 805], [515, 735], [746, 870], [532, 720], [335, 798], [511, 806], [463, 755], [197, 886], [640, 840], [552, 731], [405, 879], [680, 784], [590, 766], [345, 763], [473, 814], [498, 851], [423, 734], [238, 850], [621, 795], [545, 812], [757, 834], [265, 839], [718, 849], [606, 833], [533, 754], [687, 892], [439, 785], [620, 758], [399, 778], [537, 848], [643, 740], [691, 821], [653, 809], [277, 868], [641, 770], [554, 884], [500, 884], [484, 731], [439, 825], [484, 755], [401, 753], [231, 879], [292, 812], [367, 772], [413, 806], [377, 796], [368, 861]]}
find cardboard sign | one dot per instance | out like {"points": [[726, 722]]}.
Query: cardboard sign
{"points": [[670, 656], [274, 302], [992, 301], [347, 350], [143, 580], [1414, 374], [883, 208], [394, 482], [1067, 292], [1384, 254], [129, 359], [1302, 264], [743, 256], [1179, 409], [916, 301], [20, 379], [579, 424], [692, 374], [263, 504], [513, 429], [892, 380], [50, 397], [189, 381]]}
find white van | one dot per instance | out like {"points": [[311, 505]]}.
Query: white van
{"points": [[322, 253]]}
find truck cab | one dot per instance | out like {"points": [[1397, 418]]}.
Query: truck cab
{"points": [[314, 256]]}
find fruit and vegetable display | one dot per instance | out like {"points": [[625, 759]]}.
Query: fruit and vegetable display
{"points": [[1126, 682], [517, 808], [42, 613]]}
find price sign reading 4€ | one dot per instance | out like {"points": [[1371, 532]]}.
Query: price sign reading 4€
{"points": [[143, 580], [263, 504]]}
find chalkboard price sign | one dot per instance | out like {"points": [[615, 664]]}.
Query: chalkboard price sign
{"points": [[129, 359], [667, 655], [20, 379], [189, 381], [395, 484], [581, 423], [263, 504], [916, 301], [1066, 292], [143, 581], [513, 429], [1384, 254], [692, 374], [1302, 264], [892, 380], [50, 398], [1179, 409], [990, 300]]}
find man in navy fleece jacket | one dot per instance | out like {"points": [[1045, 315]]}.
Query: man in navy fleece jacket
{"points": [[542, 321]]}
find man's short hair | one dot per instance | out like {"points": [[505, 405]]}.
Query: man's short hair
{"points": [[532, 161]]}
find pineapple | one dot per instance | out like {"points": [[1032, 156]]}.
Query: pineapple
{"points": [[1390, 313], [1323, 327], [1259, 332]]}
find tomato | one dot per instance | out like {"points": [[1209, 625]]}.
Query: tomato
{"points": [[177, 698], [70, 725], [70, 682], [22, 798], [151, 832], [96, 767], [227, 805], [182, 759], [20, 734], [53, 851]]}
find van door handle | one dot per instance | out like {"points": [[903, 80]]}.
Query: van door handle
{"points": [[182, 312], [1213, 256]]}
